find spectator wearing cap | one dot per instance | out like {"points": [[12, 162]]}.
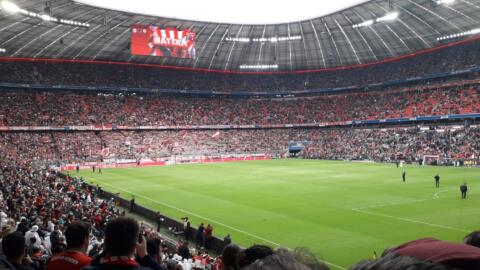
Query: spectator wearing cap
{"points": [[74, 257]]}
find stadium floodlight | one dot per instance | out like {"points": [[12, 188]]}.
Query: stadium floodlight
{"points": [[237, 39], [259, 66], [444, 2], [10, 7], [264, 39], [13, 8], [365, 23], [462, 34], [47, 18], [2, 50], [388, 17]]}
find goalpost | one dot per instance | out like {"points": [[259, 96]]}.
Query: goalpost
{"points": [[430, 159]]}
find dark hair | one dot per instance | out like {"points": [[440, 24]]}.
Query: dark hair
{"points": [[121, 236], [13, 245], [76, 233], [282, 259], [397, 262], [153, 246], [253, 253], [472, 239], [230, 256]]}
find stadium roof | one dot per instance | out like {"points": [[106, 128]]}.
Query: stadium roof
{"points": [[369, 32], [235, 12]]}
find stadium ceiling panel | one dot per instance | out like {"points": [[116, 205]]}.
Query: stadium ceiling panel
{"points": [[383, 29]]}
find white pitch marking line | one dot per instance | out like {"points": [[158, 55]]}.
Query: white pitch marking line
{"points": [[390, 204], [436, 194], [412, 220], [211, 220]]}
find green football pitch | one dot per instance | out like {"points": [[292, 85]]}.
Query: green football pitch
{"points": [[341, 211]]}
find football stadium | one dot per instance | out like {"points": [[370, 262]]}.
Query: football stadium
{"points": [[225, 135]]}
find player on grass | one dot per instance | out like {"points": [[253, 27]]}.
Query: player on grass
{"points": [[437, 181], [404, 176], [463, 190]]}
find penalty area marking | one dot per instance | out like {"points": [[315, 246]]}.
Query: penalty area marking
{"points": [[209, 219], [436, 194]]}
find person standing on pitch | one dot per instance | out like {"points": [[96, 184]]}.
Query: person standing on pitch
{"points": [[463, 190], [437, 181], [404, 175]]}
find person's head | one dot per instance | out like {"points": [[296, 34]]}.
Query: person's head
{"points": [[397, 262], [121, 236], [472, 239], [230, 256], [154, 249], [77, 234], [13, 246], [253, 253], [282, 259]]}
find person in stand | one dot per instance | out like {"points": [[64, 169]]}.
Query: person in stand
{"points": [[208, 236], [132, 204], [199, 240], [122, 242], [158, 220], [74, 257], [404, 176], [437, 181], [463, 190], [188, 230], [13, 246], [227, 240]]}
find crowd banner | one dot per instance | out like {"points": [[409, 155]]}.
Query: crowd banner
{"points": [[470, 116]]}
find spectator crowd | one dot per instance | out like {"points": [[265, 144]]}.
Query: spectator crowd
{"points": [[375, 144], [37, 108]]}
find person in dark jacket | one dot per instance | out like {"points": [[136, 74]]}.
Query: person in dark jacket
{"points": [[122, 242], [199, 239], [437, 181], [23, 226], [463, 190], [13, 246]]}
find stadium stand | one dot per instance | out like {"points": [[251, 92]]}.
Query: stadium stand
{"points": [[49, 108], [39, 130]]}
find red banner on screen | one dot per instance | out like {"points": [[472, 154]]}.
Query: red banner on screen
{"points": [[156, 41]]}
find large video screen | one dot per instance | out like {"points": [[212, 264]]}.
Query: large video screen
{"points": [[155, 41]]}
